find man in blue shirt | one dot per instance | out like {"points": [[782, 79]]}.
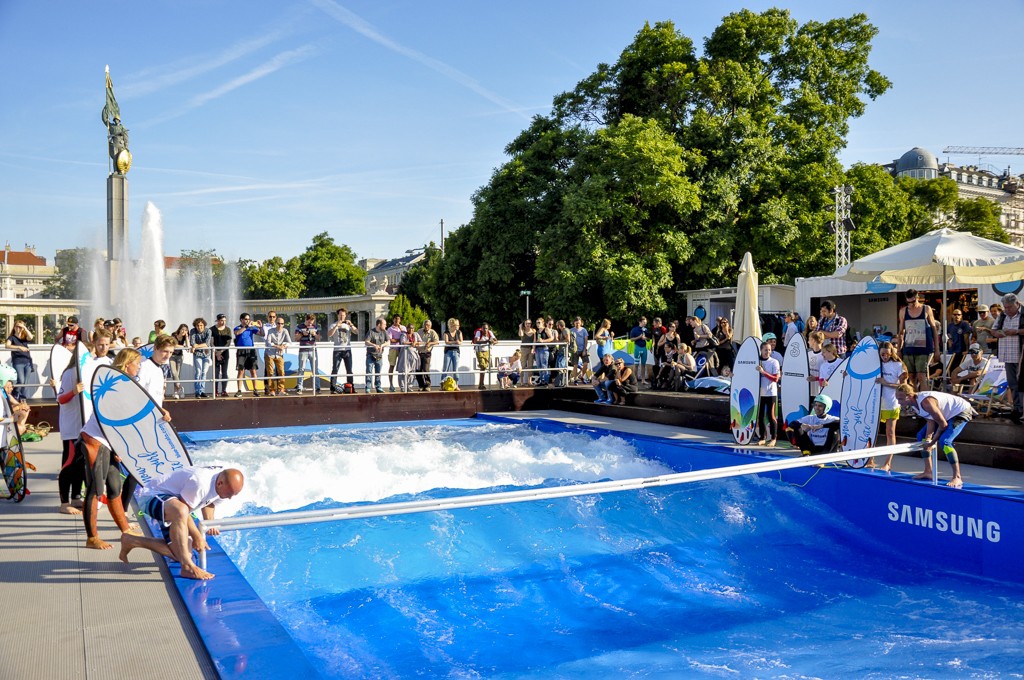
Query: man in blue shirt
{"points": [[245, 359], [640, 335]]}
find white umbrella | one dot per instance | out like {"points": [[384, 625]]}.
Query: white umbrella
{"points": [[940, 256], [748, 320]]}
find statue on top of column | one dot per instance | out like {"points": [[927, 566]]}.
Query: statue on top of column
{"points": [[117, 134]]}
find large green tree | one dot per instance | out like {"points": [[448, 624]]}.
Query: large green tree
{"points": [[330, 269], [657, 172], [272, 279]]}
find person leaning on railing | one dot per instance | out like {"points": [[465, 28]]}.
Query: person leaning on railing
{"points": [[452, 340], [21, 357], [426, 350]]}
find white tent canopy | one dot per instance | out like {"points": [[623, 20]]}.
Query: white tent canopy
{"points": [[939, 257]]}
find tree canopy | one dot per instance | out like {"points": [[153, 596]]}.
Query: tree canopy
{"points": [[330, 269], [657, 172], [324, 269]]}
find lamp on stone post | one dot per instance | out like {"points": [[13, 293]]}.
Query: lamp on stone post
{"points": [[842, 225]]}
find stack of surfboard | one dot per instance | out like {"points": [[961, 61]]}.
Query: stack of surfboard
{"points": [[856, 397]]}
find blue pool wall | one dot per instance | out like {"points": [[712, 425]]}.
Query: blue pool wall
{"points": [[245, 640], [976, 530]]}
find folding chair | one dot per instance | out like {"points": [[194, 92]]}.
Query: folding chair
{"points": [[991, 390]]}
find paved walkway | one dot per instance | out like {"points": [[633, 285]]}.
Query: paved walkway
{"points": [[74, 613]]}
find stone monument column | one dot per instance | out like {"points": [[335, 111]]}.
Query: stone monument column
{"points": [[117, 190]]}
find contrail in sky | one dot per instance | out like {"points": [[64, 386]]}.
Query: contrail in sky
{"points": [[359, 25]]}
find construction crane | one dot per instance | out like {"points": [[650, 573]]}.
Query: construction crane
{"points": [[986, 150]]}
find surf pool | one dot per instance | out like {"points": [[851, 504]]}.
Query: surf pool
{"points": [[805, 573]]}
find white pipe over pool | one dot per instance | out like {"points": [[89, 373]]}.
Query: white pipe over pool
{"points": [[499, 498]]}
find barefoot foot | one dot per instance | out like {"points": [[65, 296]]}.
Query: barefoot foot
{"points": [[127, 544], [885, 468], [923, 475], [68, 509], [97, 543], [194, 572], [955, 483]]}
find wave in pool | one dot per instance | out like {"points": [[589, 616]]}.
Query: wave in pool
{"points": [[290, 471]]}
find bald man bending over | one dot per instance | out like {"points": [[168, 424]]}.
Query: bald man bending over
{"points": [[170, 500]]}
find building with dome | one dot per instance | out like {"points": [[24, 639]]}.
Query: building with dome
{"points": [[917, 163], [972, 182]]}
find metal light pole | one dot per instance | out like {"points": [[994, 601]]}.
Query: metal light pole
{"points": [[842, 225], [526, 293]]}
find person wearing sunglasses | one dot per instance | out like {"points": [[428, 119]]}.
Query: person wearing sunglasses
{"points": [[972, 367], [70, 334], [625, 382]]}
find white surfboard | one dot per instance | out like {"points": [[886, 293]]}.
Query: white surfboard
{"points": [[133, 424], [60, 357], [745, 393], [861, 399], [796, 391], [834, 389]]}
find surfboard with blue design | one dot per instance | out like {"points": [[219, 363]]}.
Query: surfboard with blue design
{"points": [[149, 447], [745, 393], [862, 399]]}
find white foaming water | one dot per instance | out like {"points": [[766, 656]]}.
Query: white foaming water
{"points": [[285, 472]]}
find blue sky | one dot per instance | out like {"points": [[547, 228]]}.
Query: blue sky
{"points": [[255, 124]]}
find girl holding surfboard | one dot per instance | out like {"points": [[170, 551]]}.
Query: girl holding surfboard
{"points": [[893, 373], [770, 371]]}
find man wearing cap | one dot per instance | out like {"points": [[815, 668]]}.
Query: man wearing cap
{"points": [[222, 337], [817, 432], [70, 334], [983, 330], [917, 338], [959, 336], [972, 367], [1011, 342], [772, 341]]}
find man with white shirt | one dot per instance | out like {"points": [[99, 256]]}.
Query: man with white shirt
{"points": [[1011, 342], [171, 500]]}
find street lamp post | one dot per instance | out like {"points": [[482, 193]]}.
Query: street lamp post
{"points": [[526, 294]]}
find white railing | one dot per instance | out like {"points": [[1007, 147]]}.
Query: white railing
{"points": [[467, 373]]}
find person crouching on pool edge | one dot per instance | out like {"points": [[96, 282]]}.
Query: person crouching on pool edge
{"points": [[171, 500], [816, 432], [945, 416]]}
